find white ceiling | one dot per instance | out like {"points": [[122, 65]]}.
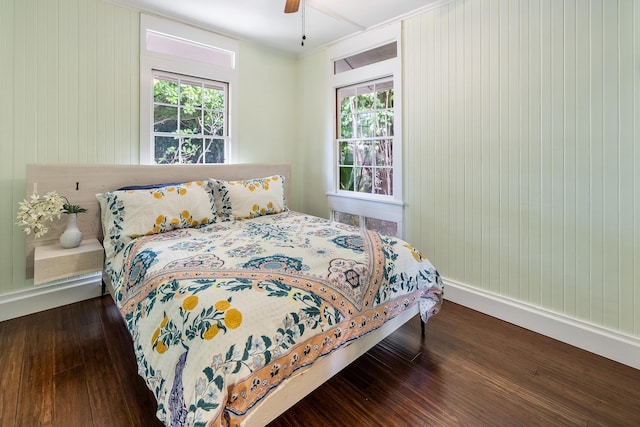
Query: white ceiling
{"points": [[264, 21]]}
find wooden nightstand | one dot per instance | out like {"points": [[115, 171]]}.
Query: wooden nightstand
{"points": [[53, 262]]}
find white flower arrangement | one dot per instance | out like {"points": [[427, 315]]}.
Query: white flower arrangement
{"points": [[34, 213]]}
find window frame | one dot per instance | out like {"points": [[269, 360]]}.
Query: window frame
{"points": [[163, 75], [362, 139], [151, 61]]}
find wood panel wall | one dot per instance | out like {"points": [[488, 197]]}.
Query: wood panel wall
{"points": [[522, 151], [69, 82]]}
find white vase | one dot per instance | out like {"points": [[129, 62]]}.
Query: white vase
{"points": [[72, 236]]}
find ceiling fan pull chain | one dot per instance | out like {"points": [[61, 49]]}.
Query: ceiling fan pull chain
{"points": [[304, 37]]}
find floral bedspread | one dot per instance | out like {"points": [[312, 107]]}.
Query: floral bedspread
{"points": [[220, 315]]}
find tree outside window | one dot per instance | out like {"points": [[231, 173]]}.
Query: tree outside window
{"points": [[365, 137], [190, 119]]}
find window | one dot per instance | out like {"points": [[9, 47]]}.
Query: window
{"points": [[189, 119], [365, 137], [188, 93], [365, 78], [371, 56]]}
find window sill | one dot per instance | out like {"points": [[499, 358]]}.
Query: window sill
{"points": [[366, 198]]}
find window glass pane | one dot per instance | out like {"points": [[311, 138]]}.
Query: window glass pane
{"points": [[214, 123], [165, 91], [366, 150], [187, 49], [385, 123], [358, 153], [346, 153], [346, 178], [347, 100], [346, 218], [385, 93], [371, 56], [363, 179], [388, 228], [347, 122], [365, 98], [384, 153], [191, 150], [213, 97], [366, 125], [384, 181], [190, 121], [190, 94], [347, 108], [166, 149], [214, 151], [165, 119]]}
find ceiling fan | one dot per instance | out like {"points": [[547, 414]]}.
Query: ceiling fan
{"points": [[291, 6]]}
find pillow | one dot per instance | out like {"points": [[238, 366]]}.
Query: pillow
{"points": [[128, 214], [148, 186], [250, 198]]}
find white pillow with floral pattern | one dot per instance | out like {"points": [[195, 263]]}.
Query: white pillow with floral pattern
{"points": [[249, 198], [128, 214]]}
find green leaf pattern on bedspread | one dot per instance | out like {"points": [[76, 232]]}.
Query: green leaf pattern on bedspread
{"points": [[221, 315]]}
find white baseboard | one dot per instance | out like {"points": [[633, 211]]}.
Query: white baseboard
{"points": [[612, 345], [45, 297]]}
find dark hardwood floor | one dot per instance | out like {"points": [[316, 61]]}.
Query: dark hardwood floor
{"points": [[74, 366]]}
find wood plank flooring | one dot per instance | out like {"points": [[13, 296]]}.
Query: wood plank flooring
{"points": [[74, 366]]}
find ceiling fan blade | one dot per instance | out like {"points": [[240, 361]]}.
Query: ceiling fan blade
{"points": [[291, 6]]}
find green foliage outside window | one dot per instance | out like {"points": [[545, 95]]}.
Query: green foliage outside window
{"points": [[365, 139], [189, 120]]}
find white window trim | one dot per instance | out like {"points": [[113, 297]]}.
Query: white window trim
{"points": [[385, 207], [150, 61]]}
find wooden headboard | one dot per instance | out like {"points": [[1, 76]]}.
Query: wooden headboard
{"points": [[81, 183]]}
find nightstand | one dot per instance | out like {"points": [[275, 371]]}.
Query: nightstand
{"points": [[53, 262]]}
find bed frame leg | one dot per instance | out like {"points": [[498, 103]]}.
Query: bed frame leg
{"points": [[422, 328]]}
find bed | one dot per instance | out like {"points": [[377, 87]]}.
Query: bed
{"points": [[238, 306]]}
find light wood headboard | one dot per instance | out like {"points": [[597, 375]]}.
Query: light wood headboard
{"points": [[81, 183]]}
